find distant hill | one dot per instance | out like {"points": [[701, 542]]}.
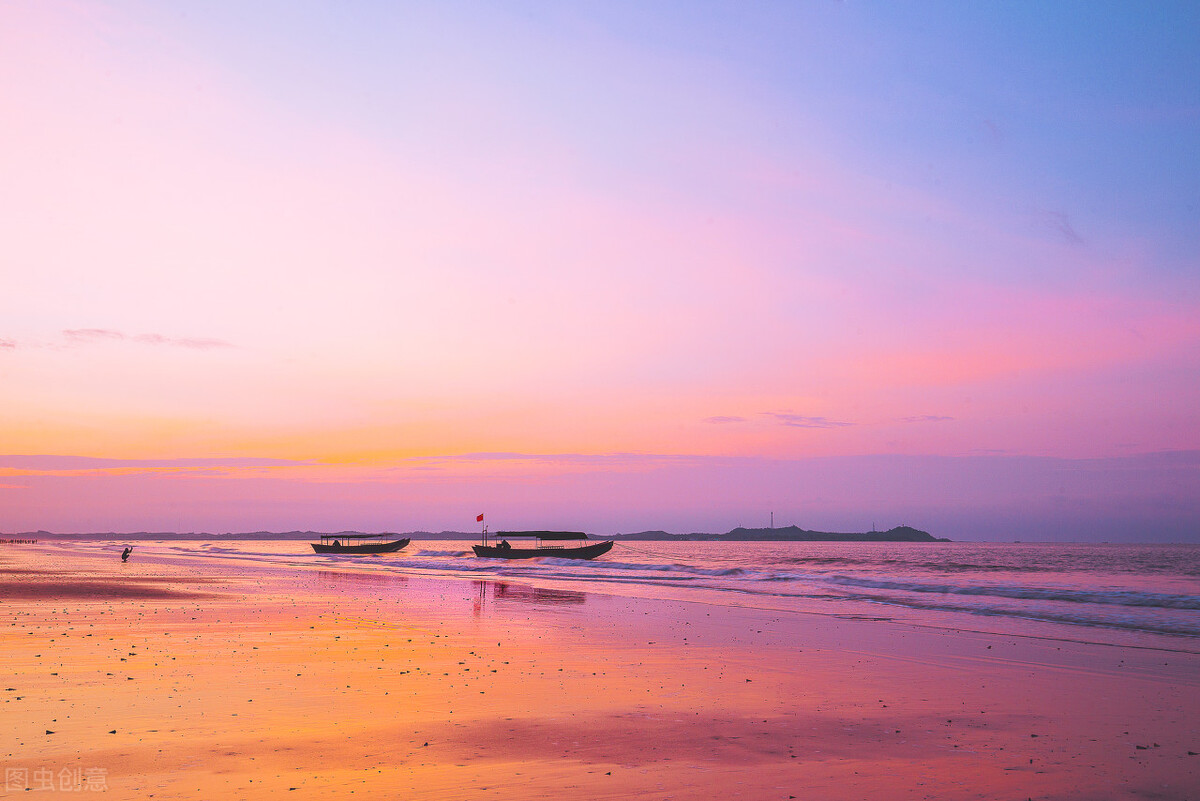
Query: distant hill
{"points": [[188, 535], [786, 534], [791, 534], [206, 536]]}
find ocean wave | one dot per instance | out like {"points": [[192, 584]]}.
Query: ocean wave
{"points": [[930, 565], [673, 567], [208, 549], [1172, 626], [1104, 597]]}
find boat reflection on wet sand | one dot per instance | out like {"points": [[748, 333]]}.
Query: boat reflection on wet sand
{"points": [[523, 593], [361, 579]]}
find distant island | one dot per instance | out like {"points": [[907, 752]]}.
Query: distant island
{"points": [[791, 534], [740, 534]]}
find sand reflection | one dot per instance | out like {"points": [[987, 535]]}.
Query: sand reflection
{"points": [[501, 591], [353, 579]]}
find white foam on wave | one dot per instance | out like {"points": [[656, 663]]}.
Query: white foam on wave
{"points": [[1110, 597], [1158, 625]]}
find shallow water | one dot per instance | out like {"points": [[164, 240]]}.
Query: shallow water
{"points": [[1127, 594]]}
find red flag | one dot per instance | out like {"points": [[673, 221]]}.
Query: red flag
{"points": [[479, 519]]}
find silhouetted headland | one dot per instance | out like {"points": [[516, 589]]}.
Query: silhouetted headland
{"points": [[791, 534], [740, 534]]}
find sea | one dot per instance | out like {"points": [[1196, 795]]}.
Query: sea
{"points": [[1147, 595]]}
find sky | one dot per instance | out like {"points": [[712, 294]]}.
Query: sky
{"points": [[604, 266]]}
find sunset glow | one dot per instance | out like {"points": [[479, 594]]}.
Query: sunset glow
{"points": [[601, 266]]}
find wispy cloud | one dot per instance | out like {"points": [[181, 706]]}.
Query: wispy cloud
{"points": [[7, 344], [568, 461], [202, 343], [55, 462], [605, 459], [926, 418], [1060, 224], [84, 336], [803, 421], [724, 419]]}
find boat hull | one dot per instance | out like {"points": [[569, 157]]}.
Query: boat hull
{"points": [[371, 547], [584, 552]]}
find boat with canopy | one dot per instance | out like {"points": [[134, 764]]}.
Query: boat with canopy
{"points": [[352, 544], [546, 543]]}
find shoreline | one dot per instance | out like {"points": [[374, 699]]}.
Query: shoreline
{"points": [[497, 677], [596, 578]]}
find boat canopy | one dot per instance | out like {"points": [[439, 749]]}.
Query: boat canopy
{"points": [[353, 536], [541, 535]]}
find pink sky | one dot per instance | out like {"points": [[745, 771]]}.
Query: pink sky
{"points": [[688, 273]]}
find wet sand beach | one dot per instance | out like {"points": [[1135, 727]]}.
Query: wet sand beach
{"points": [[184, 679]]}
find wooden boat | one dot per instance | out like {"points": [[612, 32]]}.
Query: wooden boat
{"points": [[354, 544], [504, 550]]}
